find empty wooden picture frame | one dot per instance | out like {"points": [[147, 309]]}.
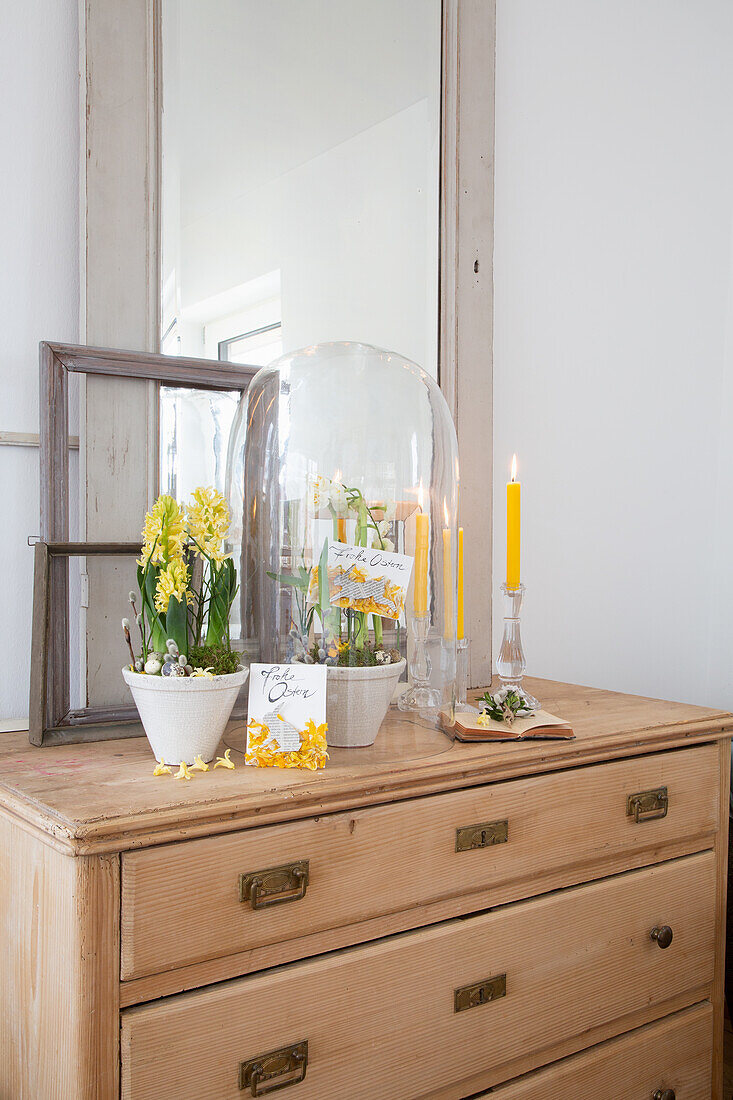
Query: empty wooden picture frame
{"points": [[57, 363], [46, 726]]}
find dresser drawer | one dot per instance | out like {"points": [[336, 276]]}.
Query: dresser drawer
{"points": [[183, 903], [676, 1053], [380, 1021]]}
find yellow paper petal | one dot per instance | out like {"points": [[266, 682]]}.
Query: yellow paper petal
{"points": [[264, 753], [225, 761]]}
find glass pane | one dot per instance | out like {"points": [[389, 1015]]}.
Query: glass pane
{"points": [[194, 438], [301, 149], [255, 349]]}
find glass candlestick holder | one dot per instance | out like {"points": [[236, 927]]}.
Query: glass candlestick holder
{"points": [[462, 704], [510, 663], [420, 695]]}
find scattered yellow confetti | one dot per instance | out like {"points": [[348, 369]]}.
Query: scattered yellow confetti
{"points": [[184, 772], [162, 769], [225, 761], [199, 765], [264, 752]]}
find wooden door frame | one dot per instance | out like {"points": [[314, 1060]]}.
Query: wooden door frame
{"points": [[120, 231], [466, 332]]}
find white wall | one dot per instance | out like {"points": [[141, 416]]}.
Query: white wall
{"points": [[613, 346], [39, 280]]}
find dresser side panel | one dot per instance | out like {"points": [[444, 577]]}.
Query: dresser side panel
{"points": [[721, 853], [59, 952]]}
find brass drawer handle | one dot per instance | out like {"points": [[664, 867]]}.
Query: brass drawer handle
{"points": [[647, 805], [662, 935], [275, 885], [664, 1094], [480, 993], [484, 835], [275, 1064]]}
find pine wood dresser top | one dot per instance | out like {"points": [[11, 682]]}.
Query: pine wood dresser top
{"points": [[103, 797]]}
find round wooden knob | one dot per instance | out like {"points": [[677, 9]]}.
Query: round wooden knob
{"points": [[663, 936], [664, 1094]]}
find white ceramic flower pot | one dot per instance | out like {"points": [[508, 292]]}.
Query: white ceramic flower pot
{"points": [[357, 701], [184, 717]]}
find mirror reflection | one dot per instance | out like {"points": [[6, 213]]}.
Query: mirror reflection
{"points": [[203, 419], [300, 152]]}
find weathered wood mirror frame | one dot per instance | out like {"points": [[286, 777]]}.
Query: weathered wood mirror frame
{"points": [[120, 180], [51, 716]]}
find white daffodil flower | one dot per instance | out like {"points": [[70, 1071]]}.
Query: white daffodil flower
{"points": [[317, 494], [337, 499]]}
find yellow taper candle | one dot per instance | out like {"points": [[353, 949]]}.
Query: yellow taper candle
{"points": [[461, 627], [447, 578], [513, 526], [421, 559]]}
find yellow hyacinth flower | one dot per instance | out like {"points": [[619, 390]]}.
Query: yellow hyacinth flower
{"points": [[184, 772], [208, 523], [162, 769], [163, 533], [199, 765], [172, 581], [484, 720], [225, 761]]}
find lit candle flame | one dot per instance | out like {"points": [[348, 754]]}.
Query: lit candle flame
{"points": [[337, 477], [420, 496], [445, 512], [514, 468]]}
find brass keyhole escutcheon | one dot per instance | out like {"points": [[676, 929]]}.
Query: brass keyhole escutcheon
{"points": [[486, 834], [479, 993]]}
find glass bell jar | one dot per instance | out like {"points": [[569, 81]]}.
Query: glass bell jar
{"points": [[344, 486]]}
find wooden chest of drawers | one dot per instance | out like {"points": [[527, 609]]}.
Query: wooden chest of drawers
{"points": [[421, 920]]}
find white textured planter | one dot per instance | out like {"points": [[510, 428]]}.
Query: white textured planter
{"points": [[357, 701], [184, 717]]}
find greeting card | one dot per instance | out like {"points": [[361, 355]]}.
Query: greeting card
{"points": [[286, 721], [365, 579]]}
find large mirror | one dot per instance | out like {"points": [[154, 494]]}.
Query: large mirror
{"points": [[300, 191], [260, 175]]}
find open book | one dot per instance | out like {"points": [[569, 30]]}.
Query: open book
{"points": [[542, 725]]}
